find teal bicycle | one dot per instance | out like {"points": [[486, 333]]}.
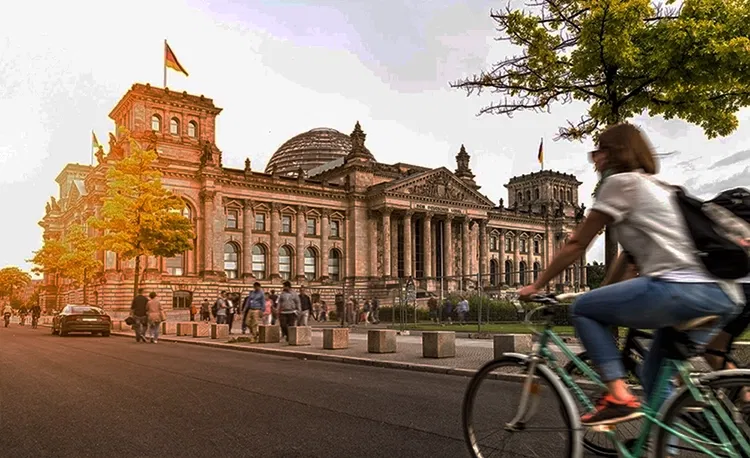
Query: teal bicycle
{"points": [[699, 419]]}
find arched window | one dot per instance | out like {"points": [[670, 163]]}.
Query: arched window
{"points": [[536, 193], [554, 193], [528, 196], [537, 269], [156, 123], [311, 264], [508, 272], [493, 272], [231, 255], [522, 272], [334, 264], [192, 129], [174, 126], [570, 195], [259, 262], [520, 197], [285, 262]]}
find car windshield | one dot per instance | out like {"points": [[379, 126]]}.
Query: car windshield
{"points": [[82, 310]]}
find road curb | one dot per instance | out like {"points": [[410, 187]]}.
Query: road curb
{"points": [[322, 357]]}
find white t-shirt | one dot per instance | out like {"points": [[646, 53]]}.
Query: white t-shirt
{"points": [[649, 225]]}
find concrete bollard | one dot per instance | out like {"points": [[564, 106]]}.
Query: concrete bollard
{"points": [[300, 335], [512, 343], [381, 341], [269, 334], [219, 331], [439, 344], [201, 329], [125, 327], [184, 329], [335, 338]]}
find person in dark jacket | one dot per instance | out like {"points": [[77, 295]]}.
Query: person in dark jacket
{"points": [[306, 304], [139, 312]]}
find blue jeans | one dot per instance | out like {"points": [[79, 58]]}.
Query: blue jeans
{"points": [[153, 329], [645, 303]]}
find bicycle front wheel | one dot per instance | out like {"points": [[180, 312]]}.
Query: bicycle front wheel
{"points": [[506, 412]]}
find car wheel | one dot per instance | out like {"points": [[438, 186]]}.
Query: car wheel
{"points": [[54, 331], [63, 333]]}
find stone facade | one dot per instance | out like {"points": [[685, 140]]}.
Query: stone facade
{"points": [[349, 223]]}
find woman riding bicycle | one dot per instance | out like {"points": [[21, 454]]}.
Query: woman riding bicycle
{"points": [[673, 286]]}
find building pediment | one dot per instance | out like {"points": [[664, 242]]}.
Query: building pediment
{"points": [[437, 185]]}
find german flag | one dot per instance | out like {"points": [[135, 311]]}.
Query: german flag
{"points": [[170, 60]]}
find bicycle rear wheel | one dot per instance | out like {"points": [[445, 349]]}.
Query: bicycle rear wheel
{"points": [[688, 415], [497, 423]]}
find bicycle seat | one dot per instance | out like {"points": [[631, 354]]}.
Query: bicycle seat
{"points": [[677, 343]]}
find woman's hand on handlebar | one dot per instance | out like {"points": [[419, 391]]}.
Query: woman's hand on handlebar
{"points": [[527, 292]]}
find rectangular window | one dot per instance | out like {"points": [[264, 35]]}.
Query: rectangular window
{"points": [[174, 266], [260, 221], [335, 229], [311, 226], [232, 218], [536, 246], [286, 224]]}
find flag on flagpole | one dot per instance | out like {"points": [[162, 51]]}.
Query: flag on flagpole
{"points": [[170, 60], [94, 142], [540, 154]]}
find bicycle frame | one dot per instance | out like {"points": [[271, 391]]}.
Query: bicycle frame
{"points": [[651, 415]]}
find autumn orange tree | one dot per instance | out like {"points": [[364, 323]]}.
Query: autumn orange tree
{"points": [[139, 216], [11, 280]]}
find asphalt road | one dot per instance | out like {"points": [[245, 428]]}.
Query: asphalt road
{"points": [[93, 396]]}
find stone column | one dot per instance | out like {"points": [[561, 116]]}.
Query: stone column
{"points": [[394, 248], [448, 248], [207, 200], [530, 260], [584, 272], [248, 219], [465, 245], [301, 220], [274, 249], [433, 237], [372, 226], [501, 258], [408, 272], [516, 259], [427, 242], [483, 252], [387, 242], [325, 228]]}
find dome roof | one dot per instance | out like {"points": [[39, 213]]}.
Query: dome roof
{"points": [[309, 150]]}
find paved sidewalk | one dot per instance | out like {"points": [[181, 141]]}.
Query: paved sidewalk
{"points": [[471, 354]]}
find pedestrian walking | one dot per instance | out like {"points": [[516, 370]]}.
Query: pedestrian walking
{"points": [[220, 308], [231, 310], [205, 310], [193, 311], [253, 309], [375, 309], [306, 305], [268, 311], [155, 316], [289, 309], [139, 312], [323, 311]]}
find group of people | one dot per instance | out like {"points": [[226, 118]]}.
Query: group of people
{"points": [[146, 315], [23, 312], [658, 282], [438, 315]]}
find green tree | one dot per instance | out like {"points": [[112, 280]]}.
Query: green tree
{"points": [[623, 58], [139, 217], [79, 261], [12, 279], [595, 274]]}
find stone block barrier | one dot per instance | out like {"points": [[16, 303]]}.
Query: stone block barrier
{"points": [[439, 344], [169, 328], [125, 327], [201, 329], [512, 343], [185, 328], [269, 334], [335, 338], [381, 341], [300, 335], [219, 331]]}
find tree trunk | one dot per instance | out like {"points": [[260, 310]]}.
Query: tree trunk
{"points": [[85, 296], [137, 276]]}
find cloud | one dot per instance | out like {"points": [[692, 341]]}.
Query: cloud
{"points": [[734, 158]]}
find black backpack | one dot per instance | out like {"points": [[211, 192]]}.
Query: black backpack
{"points": [[722, 257]]}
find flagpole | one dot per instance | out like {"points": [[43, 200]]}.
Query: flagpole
{"points": [[165, 63]]}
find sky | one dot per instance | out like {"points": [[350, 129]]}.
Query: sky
{"points": [[281, 68]]}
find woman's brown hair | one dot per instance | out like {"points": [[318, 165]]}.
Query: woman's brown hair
{"points": [[628, 149]]}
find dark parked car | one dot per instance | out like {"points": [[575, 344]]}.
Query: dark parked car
{"points": [[81, 318]]}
